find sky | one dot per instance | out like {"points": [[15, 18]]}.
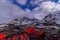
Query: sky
{"points": [[30, 5], [27, 2], [55, 1], [11, 9]]}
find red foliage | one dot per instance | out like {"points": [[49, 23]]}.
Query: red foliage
{"points": [[24, 37], [2, 36], [30, 30], [38, 33], [15, 38]]}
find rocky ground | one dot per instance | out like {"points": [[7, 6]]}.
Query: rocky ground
{"points": [[19, 26]]}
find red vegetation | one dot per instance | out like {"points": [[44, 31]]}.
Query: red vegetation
{"points": [[30, 30], [2, 35], [24, 36], [15, 38], [38, 33]]}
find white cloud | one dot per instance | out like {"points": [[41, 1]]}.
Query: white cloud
{"points": [[47, 6], [57, 7], [8, 12], [11, 11], [22, 2], [59, 1], [44, 9], [50, 6]]}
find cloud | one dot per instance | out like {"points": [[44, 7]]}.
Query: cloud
{"points": [[50, 6], [59, 1], [9, 11], [47, 6], [22, 2], [44, 9]]}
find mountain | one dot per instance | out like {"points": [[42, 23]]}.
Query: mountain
{"points": [[52, 19]]}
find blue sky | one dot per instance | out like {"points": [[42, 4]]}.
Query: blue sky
{"points": [[24, 6], [30, 7], [55, 1], [8, 15]]}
